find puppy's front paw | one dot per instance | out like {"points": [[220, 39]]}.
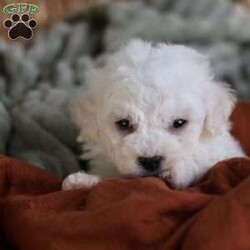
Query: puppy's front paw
{"points": [[182, 174], [176, 181], [79, 180]]}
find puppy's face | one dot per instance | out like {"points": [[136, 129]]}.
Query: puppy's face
{"points": [[148, 110], [146, 130]]}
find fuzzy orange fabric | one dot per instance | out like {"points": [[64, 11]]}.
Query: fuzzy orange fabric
{"points": [[141, 213]]}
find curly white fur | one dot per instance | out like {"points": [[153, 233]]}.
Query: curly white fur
{"points": [[151, 86]]}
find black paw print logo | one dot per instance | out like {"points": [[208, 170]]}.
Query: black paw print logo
{"points": [[20, 26]]}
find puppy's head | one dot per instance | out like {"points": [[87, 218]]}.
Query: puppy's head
{"points": [[150, 107]]}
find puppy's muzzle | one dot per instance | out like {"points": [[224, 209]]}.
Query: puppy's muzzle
{"points": [[150, 164]]}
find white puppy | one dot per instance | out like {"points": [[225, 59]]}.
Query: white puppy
{"points": [[153, 111]]}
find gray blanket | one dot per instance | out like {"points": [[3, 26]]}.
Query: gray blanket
{"points": [[38, 81]]}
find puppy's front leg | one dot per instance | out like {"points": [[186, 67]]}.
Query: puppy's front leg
{"points": [[79, 180]]}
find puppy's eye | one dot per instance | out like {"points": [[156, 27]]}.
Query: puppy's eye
{"points": [[179, 123], [125, 125]]}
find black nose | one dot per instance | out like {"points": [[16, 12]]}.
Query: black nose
{"points": [[150, 163]]}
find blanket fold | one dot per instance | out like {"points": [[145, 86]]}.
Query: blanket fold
{"points": [[140, 213]]}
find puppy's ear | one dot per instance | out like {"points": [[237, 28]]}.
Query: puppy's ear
{"points": [[220, 101], [84, 113]]}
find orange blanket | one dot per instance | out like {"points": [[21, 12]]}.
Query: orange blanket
{"points": [[142, 213]]}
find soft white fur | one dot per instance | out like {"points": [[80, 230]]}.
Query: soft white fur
{"points": [[152, 85]]}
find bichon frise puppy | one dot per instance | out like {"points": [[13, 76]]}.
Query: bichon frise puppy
{"points": [[153, 111]]}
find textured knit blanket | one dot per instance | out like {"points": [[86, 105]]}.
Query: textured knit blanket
{"points": [[38, 80]]}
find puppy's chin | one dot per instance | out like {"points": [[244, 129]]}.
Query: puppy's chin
{"points": [[153, 174], [141, 173], [140, 176]]}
